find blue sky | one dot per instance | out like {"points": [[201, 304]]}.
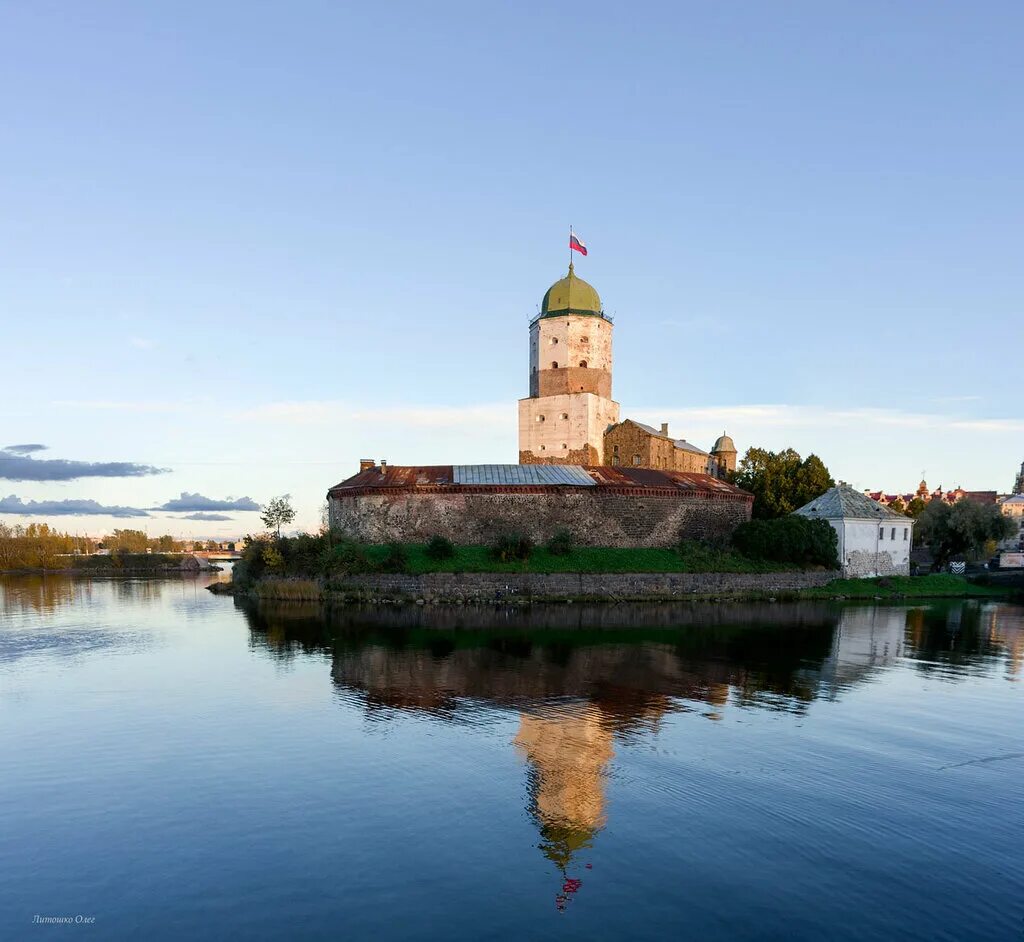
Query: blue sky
{"points": [[253, 242]]}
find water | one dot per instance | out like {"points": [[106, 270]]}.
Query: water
{"points": [[178, 765]]}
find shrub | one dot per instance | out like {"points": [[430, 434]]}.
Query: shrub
{"points": [[791, 539], [512, 546], [440, 547], [343, 559], [561, 544], [395, 559]]}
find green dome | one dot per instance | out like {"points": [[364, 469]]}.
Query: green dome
{"points": [[571, 295]]}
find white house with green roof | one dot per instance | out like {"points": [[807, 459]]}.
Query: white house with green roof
{"points": [[873, 540]]}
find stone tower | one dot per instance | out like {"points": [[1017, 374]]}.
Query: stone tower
{"points": [[725, 451], [1018, 485], [570, 404]]}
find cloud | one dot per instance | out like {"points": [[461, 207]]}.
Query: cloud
{"points": [[140, 406], [64, 508], [23, 449], [142, 343], [196, 502], [205, 517], [20, 466], [326, 411]]}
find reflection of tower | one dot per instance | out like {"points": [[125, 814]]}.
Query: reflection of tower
{"points": [[568, 753]]}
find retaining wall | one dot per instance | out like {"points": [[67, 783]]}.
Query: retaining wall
{"points": [[555, 586]]}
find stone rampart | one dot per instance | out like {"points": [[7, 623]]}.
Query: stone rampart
{"points": [[618, 517], [479, 587]]}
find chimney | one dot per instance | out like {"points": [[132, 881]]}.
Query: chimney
{"points": [[366, 463], [383, 466], [664, 429]]}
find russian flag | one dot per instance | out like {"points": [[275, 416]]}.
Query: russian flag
{"points": [[576, 243]]}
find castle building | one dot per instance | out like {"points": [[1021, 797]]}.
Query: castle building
{"points": [[570, 416], [634, 444], [580, 470], [570, 405]]}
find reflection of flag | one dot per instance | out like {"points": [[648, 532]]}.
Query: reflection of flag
{"points": [[575, 242]]}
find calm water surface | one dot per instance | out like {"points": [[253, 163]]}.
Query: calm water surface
{"points": [[178, 765]]}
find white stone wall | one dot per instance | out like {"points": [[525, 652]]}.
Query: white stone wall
{"points": [[569, 340], [556, 425], [870, 548]]}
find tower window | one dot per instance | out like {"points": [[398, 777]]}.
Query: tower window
{"points": [[565, 415], [583, 363], [554, 340], [584, 340], [636, 460], [542, 448], [540, 418], [554, 364], [564, 445]]}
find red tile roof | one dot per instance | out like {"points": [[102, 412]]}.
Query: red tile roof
{"points": [[605, 477]]}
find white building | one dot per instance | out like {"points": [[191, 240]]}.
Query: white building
{"points": [[873, 541], [1013, 507]]}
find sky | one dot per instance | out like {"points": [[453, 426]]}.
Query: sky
{"points": [[243, 245]]}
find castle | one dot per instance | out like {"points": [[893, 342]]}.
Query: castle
{"points": [[570, 416], [580, 470]]}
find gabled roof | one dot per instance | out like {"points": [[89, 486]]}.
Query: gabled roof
{"points": [[684, 445], [843, 502]]}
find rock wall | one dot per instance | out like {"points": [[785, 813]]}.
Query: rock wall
{"points": [[861, 564], [471, 587], [594, 517]]}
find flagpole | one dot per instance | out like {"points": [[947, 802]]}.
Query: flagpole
{"points": [[570, 245]]}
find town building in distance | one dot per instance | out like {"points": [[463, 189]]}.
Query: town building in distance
{"points": [[926, 495]]}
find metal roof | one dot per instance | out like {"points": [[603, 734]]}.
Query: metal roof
{"points": [[842, 501], [569, 474]]}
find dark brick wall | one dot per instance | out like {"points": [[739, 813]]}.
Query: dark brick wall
{"points": [[594, 516], [471, 587]]}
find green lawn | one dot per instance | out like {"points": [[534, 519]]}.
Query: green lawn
{"points": [[935, 585], [693, 558]]}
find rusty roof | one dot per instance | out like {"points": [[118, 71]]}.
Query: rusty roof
{"points": [[535, 478]]}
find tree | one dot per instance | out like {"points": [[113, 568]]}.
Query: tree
{"points": [[898, 507], [916, 507], [279, 512], [781, 481], [960, 529], [127, 541]]}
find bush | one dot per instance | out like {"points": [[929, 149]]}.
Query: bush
{"points": [[791, 539], [561, 544], [344, 558], [440, 547], [395, 559], [512, 546]]}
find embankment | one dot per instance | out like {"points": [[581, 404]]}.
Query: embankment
{"points": [[488, 587]]}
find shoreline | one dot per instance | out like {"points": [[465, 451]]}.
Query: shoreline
{"points": [[488, 589]]}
